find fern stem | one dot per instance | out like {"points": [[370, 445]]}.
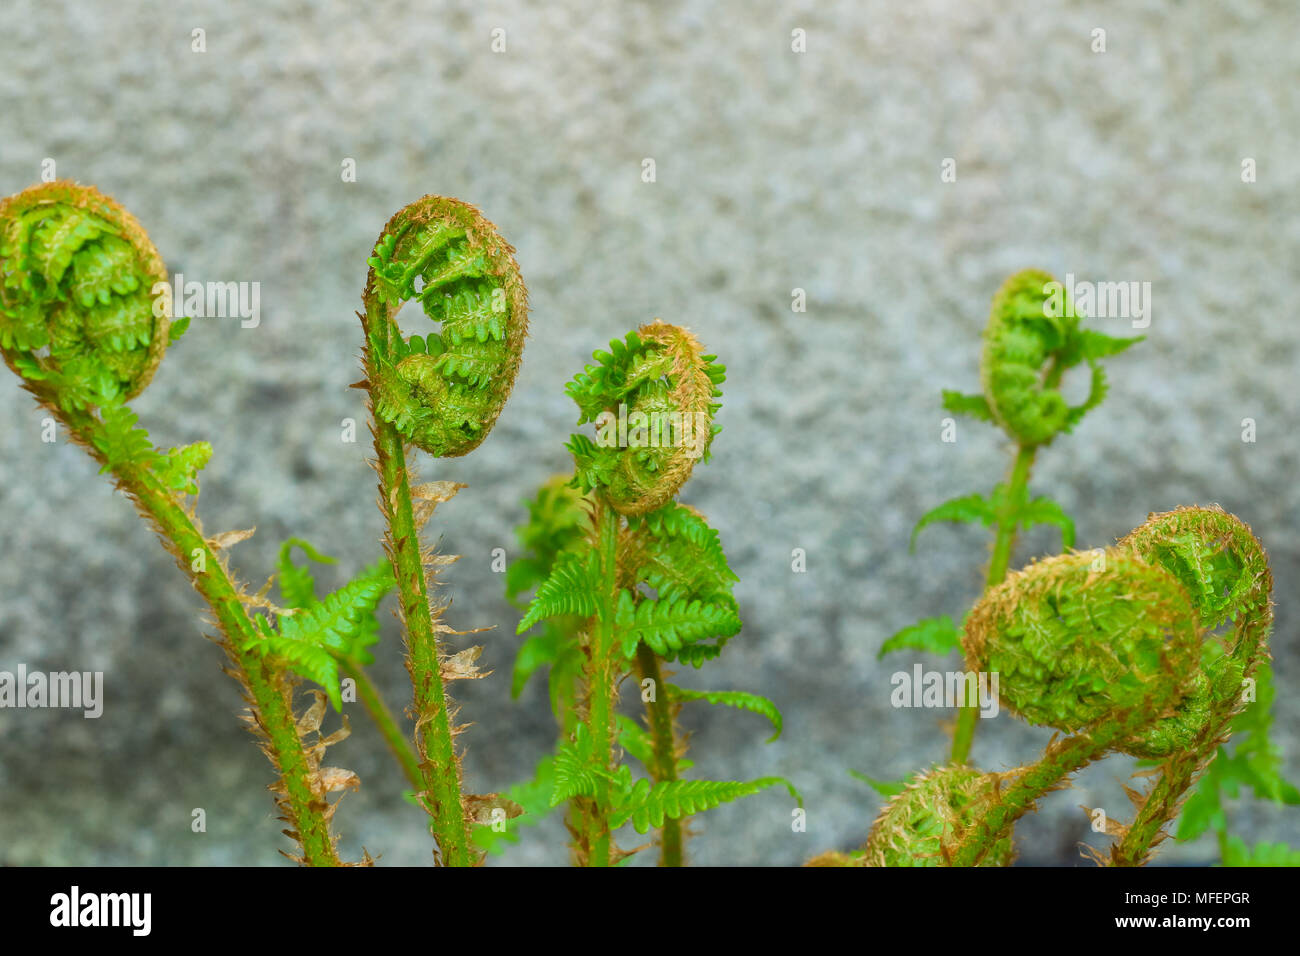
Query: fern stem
{"points": [[1005, 540], [660, 715], [439, 765], [269, 693], [1161, 805], [1062, 758], [386, 723], [602, 675]]}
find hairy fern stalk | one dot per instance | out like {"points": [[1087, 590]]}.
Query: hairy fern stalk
{"points": [[82, 324]]}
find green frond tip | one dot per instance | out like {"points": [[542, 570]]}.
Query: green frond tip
{"points": [[78, 303], [1006, 506], [667, 626], [180, 467], [443, 391], [934, 635], [653, 400], [569, 590], [647, 804], [1045, 511], [297, 585], [1032, 338], [680, 555], [122, 441], [733, 698], [967, 509], [577, 768], [973, 406]]}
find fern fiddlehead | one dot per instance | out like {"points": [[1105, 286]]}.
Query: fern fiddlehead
{"points": [[440, 392], [652, 396], [443, 390], [82, 324], [78, 301], [1121, 654]]}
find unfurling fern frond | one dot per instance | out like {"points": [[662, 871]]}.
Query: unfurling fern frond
{"points": [[666, 626], [444, 391], [80, 316], [1032, 337], [652, 399]]}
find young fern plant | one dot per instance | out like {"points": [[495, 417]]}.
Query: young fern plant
{"points": [[627, 579], [85, 321], [85, 318], [441, 393], [1122, 650]]}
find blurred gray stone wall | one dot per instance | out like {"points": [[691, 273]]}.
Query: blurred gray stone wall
{"points": [[775, 170]]}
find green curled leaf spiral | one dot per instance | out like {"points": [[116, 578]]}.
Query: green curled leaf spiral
{"points": [[1080, 640], [652, 397], [1020, 341], [1031, 339], [78, 309], [444, 390]]}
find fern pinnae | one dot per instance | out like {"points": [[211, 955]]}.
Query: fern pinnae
{"points": [[440, 393]]}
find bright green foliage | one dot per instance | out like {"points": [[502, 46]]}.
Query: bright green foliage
{"points": [[652, 398], [1070, 645], [1119, 649], [666, 626], [646, 805], [934, 635], [627, 578], [886, 788], [1236, 853], [318, 635], [123, 442], [443, 391], [568, 591], [77, 304], [740, 699], [1009, 506], [1031, 338]]}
